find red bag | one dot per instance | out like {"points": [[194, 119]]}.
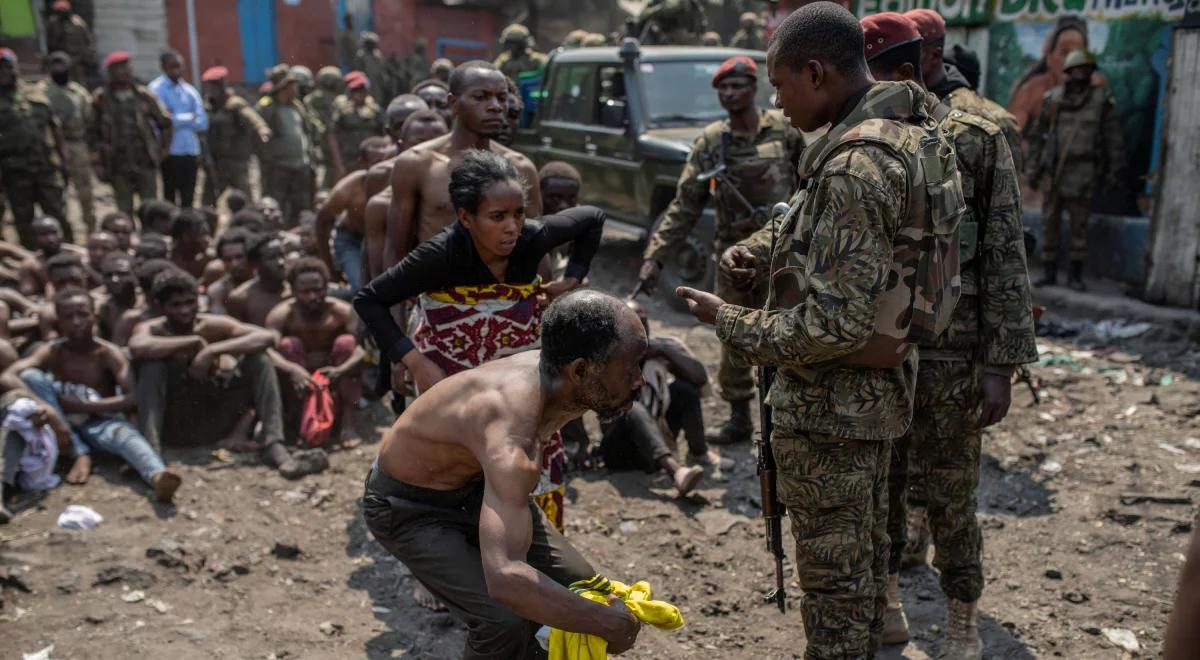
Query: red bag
{"points": [[316, 421]]}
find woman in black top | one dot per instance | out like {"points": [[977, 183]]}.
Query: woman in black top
{"points": [[491, 244]]}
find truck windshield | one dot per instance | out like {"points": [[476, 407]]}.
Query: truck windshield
{"points": [[681, 93]]}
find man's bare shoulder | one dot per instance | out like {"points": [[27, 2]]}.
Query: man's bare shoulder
{"points": [[340, 308], [347, 185], [425, 152], [242, 291], [515, 157]]}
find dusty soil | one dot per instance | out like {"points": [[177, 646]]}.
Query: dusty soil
{"points": [[248, 565]]}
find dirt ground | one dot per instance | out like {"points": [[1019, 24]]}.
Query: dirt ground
{"points": [[1086, 506]]}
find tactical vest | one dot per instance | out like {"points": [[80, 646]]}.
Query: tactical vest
{"points": [[764, 172], [969, 226], [924, 283], [230, 136], [26, 140]]}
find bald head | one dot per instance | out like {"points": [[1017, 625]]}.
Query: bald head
{"points": [[587, 325]]}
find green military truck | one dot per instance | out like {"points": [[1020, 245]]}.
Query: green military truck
{"points": [[626, 118]]}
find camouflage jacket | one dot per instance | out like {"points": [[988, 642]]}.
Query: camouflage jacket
{"points": [[993, 320], [749, 39], [314, 130], [232, 129], [320, 103], [1077, 141], [378, 71], [762, 166], [72, 105], [970, 102], [836, 261], [73, 37], [128, 128], [515, 66], [27, 125], [352, 124]]}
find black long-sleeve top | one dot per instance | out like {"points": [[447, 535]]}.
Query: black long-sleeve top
{"points": [[450, 259]]}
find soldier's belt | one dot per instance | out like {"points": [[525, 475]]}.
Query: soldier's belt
{"points": [[946, 354]]}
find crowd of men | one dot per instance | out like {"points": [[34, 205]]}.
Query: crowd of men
{"points": [[391, 222]]}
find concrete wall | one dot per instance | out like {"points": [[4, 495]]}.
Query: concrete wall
{"points": [[138, 26], [1116, 245]]}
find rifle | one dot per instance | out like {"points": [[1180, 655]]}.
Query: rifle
{"points": [[772, 508]]}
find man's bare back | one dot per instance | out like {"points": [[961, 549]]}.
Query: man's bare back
{"points": [[375, 234], [421, 191]]}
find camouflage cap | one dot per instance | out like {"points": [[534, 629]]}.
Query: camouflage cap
{"points": [[278, 74], [710, 39], [885, 31], [1079, 57], [594, 40], [369, 38], [574, 38], [302, 74], [329, 76], [514, 33], [748, 19]]}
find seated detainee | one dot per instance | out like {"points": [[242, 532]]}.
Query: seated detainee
{"points": [[121, 227], [644, 437], [156, 216], [121, 292], [150, 246], [87, 382], [316, 334], [99, 245], [148, 309], [198, 373], [253, 300], [190, 237], [232, 248], [32, 276]]}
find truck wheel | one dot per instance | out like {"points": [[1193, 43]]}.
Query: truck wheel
{"points": [[690, 265]]}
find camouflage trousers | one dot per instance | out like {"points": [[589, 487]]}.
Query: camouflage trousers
{"points": [[1080, 211], [225, 174], [735, 383], [835, 491], [26, 189], [936, 465], [125, 183], [79, 171], [293, 188]]}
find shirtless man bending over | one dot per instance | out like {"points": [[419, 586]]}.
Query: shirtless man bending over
{"points": [[420, 179], [345, 206], [455, 472]]}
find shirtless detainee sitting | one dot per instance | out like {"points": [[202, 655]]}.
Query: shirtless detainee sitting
{"points": [[253, 300], [449, 493]]}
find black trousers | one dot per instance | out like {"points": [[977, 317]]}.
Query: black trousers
{"points": [[179, 179], [436, 535], [635, 440]]}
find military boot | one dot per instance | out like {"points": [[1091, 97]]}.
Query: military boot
{"points": [[895, 623], [917, 547], [1049, 274], [962, 632], [1075, 277], [739, 427]]}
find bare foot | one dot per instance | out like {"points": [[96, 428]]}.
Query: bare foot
{"points": [[422, 597], [80, 470], [686, 478], [238, 444], [165, 485]]}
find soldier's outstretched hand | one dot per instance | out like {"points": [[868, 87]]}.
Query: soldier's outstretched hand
{"points": [[702, 305]]}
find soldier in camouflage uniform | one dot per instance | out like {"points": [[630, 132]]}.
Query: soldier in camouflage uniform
{"points": [[234, 129], [965, 379], [863, 266], [30, 151], [750, 34], [759, 151], [132, 133], [951, 85], [415, 67], [574, 39], [1076, 141], [356, 117], [672, 22], [372, 62], [66, 31], [320, 103], [72, 104], [289, 157], [518, 57]]}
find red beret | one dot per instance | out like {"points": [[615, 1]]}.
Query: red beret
{"points": [[214, 74], [265, 88], [930, 23], [356, 79], [116, 57], [8, 54], [738, 65], [61, 5], [883, 32]]}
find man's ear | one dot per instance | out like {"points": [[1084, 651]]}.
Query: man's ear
{"points": [[815, 72], [906, 72], [576, 371]]}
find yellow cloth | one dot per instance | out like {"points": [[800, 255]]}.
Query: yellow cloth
{"points": [[580, 646]]}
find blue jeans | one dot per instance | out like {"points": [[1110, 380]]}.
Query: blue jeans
{"points": [[112, 435], [348, 256]]}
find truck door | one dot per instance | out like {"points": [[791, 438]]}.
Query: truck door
{"points": [[608, 142], [568, 112]]}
